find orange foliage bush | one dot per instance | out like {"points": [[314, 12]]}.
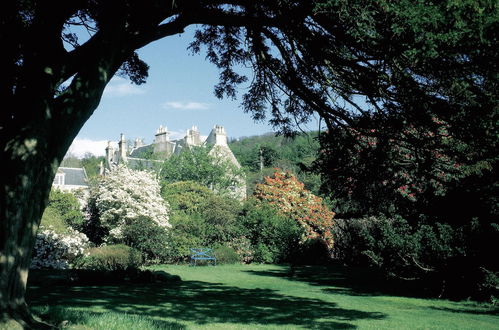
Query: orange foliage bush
{"points": [[288, 195]]}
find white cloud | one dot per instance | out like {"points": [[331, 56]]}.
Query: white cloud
{"points": [[80, 147], [186, 105], [119, 87]]}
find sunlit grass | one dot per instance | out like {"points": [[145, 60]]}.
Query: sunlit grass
{"points": [[255, 297]]}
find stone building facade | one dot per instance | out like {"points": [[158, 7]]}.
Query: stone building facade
{"points": [[138, 155]]}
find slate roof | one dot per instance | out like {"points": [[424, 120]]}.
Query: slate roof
{"points": [[143, 164], [142, 152], [74, 176]]}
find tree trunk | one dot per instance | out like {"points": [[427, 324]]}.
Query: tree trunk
{"points": [[26, 182], [38, 126], [32, 146]]}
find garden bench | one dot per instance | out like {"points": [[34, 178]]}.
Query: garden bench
{"points": [[202, 254]]}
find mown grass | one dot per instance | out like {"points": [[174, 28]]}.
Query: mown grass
{"points": [[255, 297]]}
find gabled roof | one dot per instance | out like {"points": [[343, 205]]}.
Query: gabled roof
{"points": [[224, 152], [143, 164], [143, 151], [74, 176]]}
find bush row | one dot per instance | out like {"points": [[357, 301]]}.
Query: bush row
{"points": [[439, 258], [238, 232]]}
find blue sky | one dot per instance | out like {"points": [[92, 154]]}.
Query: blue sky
{"points": [[178, 94]]}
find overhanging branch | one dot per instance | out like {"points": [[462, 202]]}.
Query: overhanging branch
{"points": [[206, 16]]}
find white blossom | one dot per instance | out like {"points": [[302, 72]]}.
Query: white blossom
{"points": [[125, 194], [58, 251]]}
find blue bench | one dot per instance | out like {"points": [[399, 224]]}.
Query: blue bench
{"points": [[202, 254]]}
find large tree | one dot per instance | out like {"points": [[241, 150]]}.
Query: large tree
{"points": [[409, 61], [50, 86]]}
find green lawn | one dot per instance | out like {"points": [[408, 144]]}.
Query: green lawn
{"points": [[254, 297]]}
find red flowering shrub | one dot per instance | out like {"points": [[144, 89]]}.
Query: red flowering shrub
{"points": [[291, 199], [404, 170]]}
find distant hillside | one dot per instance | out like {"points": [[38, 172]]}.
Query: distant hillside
{"points": [[260, 154]]}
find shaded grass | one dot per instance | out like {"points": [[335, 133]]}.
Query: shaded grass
{"points": [[83, 319], [255, 296]]}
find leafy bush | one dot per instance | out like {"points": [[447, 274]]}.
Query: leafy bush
{"points": [[274, 237], [488, 287], [220, 216], [312, 252], [111, 258], [393, 245], [226, 255], [188, 230], [58, 251], [150, 239], [68, 207], [350, 240], [265, 254], [199, 217], [437, 256], [187, 196], [52, 219]]}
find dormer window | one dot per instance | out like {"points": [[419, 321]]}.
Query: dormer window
{"points": [[59, 179]]}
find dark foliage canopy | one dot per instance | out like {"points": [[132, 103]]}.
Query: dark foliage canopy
{"points": [[374, 66]]}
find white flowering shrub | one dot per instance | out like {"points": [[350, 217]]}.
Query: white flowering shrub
{"points": [[58, 251], [124, 195]]}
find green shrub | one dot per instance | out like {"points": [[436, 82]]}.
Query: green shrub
{"points": [[199, 217], [275, 238], [52, 219], [226, 255], [488, 287], [220, 215], [265, 253], [68, 207], [386, 243], [395, 246], [438, 257], [187, 196], [111, 258], [350, 239], [188, 230], [150, 239]]}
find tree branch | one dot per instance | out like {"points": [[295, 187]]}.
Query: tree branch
{"points": [[207, 16]]}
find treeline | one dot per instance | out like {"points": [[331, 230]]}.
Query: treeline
{"points": [[260, 154]]}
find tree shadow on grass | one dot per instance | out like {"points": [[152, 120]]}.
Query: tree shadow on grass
{"points": [[338, 279], [63, 316], [476, 310], [202, 303]]}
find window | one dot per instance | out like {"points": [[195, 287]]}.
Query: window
{"points": [[59, 179]]}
